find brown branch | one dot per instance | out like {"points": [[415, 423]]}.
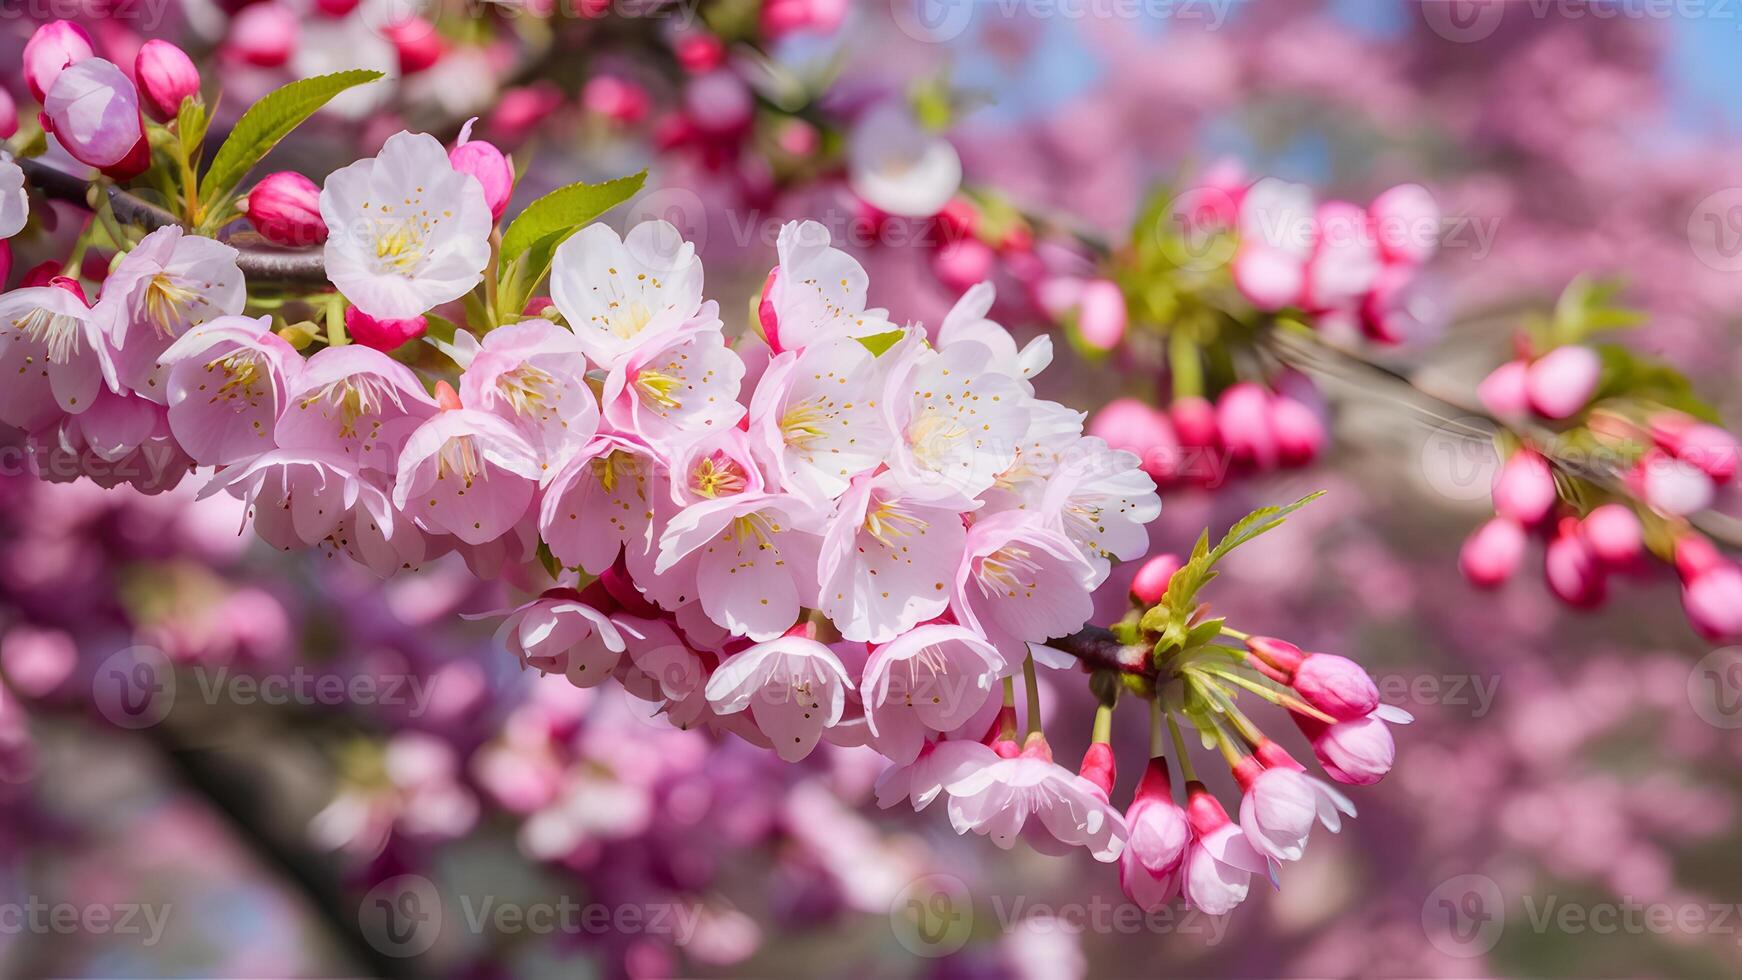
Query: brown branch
{"points": [[1098, 649], [296, 268]]}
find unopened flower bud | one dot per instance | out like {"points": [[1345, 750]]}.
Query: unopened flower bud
{"points": [[1276, 658], [1138, 428], [166, 77], [615, 98], [93, 110], [383, 334], [485, 162], [1101, 316], [1700, 444], [1695, 555], [52, 49], [962, 263], [285, 208], [1573, 572], [1525, 489], [1269, 277], [1505, 391], [1713, 602], [1099, 767], [1671, 486], [1150, 585], [1614, 534], [8, 115], [1562, 381], [1336, 685], [263, 34], [417, 44], [1299, 432], [1491, 554], [1243, 421]]}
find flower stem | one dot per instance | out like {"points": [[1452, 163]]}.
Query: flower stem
{"points": [[1236, 634], [1157, 747], [1103, 731], [1030, 682], [1186, 770]]}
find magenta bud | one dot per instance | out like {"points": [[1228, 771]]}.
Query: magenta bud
{"points": [[1150, 585], [8, 115], [1700, 444], [1194, 420], [417, 43], [166, 76], [1243, 421], [1406, 220], [1713, 602], [93, 110], [385, 335], [1099, 767], [493, 171], [1525, 488], [1101, 315], [336, 8], [1505, 390], [962, 263], [1671, 485], [615, 98], [1614, 534], [1572, 570], [285, 208], [1275, 756], [263, 34], [1358, 752], [1299, 432], [1491, 554], [1268, 277], [1278, 658], [52, 49], [1336, 685], [1695, 555], [1562, 381]]}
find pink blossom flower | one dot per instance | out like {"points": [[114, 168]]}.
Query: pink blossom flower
{"points": [[560, 633], [1149, 869], [1525, 488], [1103, 503], [601, 503], [957, 426], [467, 473], [168, 283], [1492, 552], [617, 294], [1359, 751], [816, 292], [967, 321], [793, 687], [93, 110], [1406, 220], [356, 402], [484, 161], [1277, 812], [54, 354], [1220, 861], [166, 77], [533, 374], [295, 497], [1335, 685], [998, 799], [51, 49], [1298, 430], [718, 463], [757, 556], [285, 208], [1269, 278], [930, 679], [937, 765], [671, 389], [1020, 582], [1713, 602], [227, 385], [898, 166], [14, 206], [1243, 421], [819, 416], [1101, 317], [1562, 381], [882, 560], [1670, 485], [1345, 263]]}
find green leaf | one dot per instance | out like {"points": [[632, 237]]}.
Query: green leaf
{"points": [[270, 120], [1259, 521], [1588, 306], [190, 123], [878, 343], [551, 219], [1629, 375]]}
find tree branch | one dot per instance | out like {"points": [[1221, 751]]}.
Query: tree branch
{"points": [[299, 268], [1098, 649]]}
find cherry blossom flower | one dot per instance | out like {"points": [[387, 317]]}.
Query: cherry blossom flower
{"points": [[998, 799], [14, 200], [1277, 812], [295, 497], [227, 384], [534, 375], [357, 402], [620, 293], [958, 426], [1221, 861], [898, 167], [467, 473], [793, 687], [406, 231], [1021, 582], [1103, 502], [601, 503], [169, 282], [669, 390], [54, 354], [816, 292], [1150, 867], [937, 765], [93, 110], [757, 559], [930, 679], [818, 414], [967, 321], [560, 633], [882, 560]]}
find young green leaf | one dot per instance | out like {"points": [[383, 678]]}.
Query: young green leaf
{"points": [[270, 120], [551, 219]]}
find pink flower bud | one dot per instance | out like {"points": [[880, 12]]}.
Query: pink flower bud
{"points": [[1243, 421], [1299, 432], [1276, 658], [1101, 317], [1358, 752], [1406, 220], [50, 50], [1269, 278], [1277, 812], [1149, 869], [166, 76], [783, 17], [1135, 427], [485, 162], [521, 109], [1695, 555], [1670, 485], [336, 8], [1614, 534], [1572, 570], [417, 44], [1700, 444], [8, 115], [1505, 390], [263, 34], [1525, 488], [386, 335], [617, 99], [962, 263], [700, 52], [1713, 602], [1150, 584], [1194, 420], [1099, 767], [1562, 381], [285, 207], [1336, 685], [93, 110]]}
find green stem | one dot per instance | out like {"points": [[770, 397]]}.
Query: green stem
{"points": [[1188, 369], [1225, 744], [1157, 747], [1030, 682], [336, 322], [1103, 731], [1236, 634], [1186, 770]]}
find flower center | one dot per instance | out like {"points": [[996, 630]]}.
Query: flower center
{"points": [[934, 439], [167, 301], [626, 322], [244, 374], [718, 475], [802, 425], [887, 521], [657, 388], [59, 332], [1006, 569], [354, 398], [527, 389], [754, 527], [400, 247], [460, 457]]}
